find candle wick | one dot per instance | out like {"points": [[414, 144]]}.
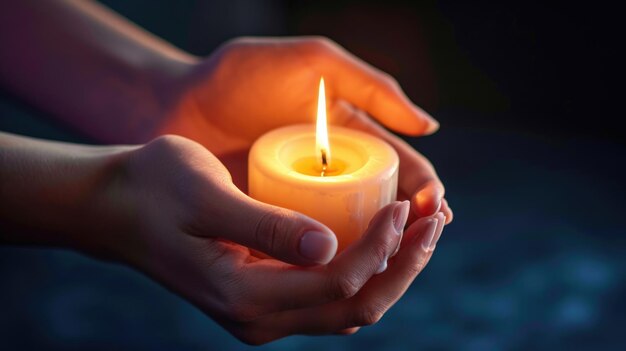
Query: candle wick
{"points": [[324, 162]]}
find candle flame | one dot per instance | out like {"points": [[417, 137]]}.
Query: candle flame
{"points": [[322, 146]]}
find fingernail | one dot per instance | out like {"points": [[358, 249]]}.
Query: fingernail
{"points": [[441, 221], [439, 202], [429, 233], [399, 218], [317, 246], [432, 127], [400, 215]]}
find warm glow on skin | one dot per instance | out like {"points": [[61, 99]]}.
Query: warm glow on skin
{"points": [[204, 115], [322, 146]]}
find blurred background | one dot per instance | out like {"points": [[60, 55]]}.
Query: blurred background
{"points": [[531, 151]]}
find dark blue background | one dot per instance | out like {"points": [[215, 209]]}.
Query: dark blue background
{"points": [[529, 151]]}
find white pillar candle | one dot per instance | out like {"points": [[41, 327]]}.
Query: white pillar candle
{"points": [[362, 178], [292, 167]]}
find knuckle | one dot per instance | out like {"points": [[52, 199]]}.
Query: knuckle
{"points": [[270, 227], [368, 315], [342, 287], [413, 270], [383, 250], [168, 142], [171, 148], [417, 264], [418, 267], [152, 155]]}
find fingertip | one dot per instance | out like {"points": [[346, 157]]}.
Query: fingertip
{"points": [[441, 220], [420, 122], [318, 247], [428, 201], [432, 126], [400, 114], [445, 208], [384, 234], [416, 126], [384, 216]]}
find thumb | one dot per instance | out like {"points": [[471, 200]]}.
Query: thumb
{"points": [[281, 233]]}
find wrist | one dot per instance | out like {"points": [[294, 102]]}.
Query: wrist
{"points": [[137, 97], [58, 194], [108, 226], [165, 81]]}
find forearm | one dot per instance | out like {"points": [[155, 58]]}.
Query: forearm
{"points": [[87, 66], [58, 194]]}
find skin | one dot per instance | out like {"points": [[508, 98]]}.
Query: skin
{"points": [[175, 207], [167, 209], [275, 80]]}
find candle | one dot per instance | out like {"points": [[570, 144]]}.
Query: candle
{"points": [[293, 167]]}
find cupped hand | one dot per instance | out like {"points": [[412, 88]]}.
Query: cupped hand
{"points": [[252, 85], [192, 229]]}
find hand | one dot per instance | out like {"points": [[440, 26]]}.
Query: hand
{"points": [[250, 86], [191, 229], [169, 209]]}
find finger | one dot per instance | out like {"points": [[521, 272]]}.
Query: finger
{"points": [[417, 177], [274, 288], [370, 89], [447, 211], [278, 232], [383, 291], [428, 199], [368, 306]]}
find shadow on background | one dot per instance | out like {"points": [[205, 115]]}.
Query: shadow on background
{"points": [[530, 151]]}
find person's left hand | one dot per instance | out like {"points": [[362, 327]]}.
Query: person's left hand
{"points": [[252, 85]]}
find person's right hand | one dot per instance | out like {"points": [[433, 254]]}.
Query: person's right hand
{"points": [[190, 228]]}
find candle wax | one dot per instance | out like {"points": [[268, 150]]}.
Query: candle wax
{"points": [[362, 177], [311, 166]]}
